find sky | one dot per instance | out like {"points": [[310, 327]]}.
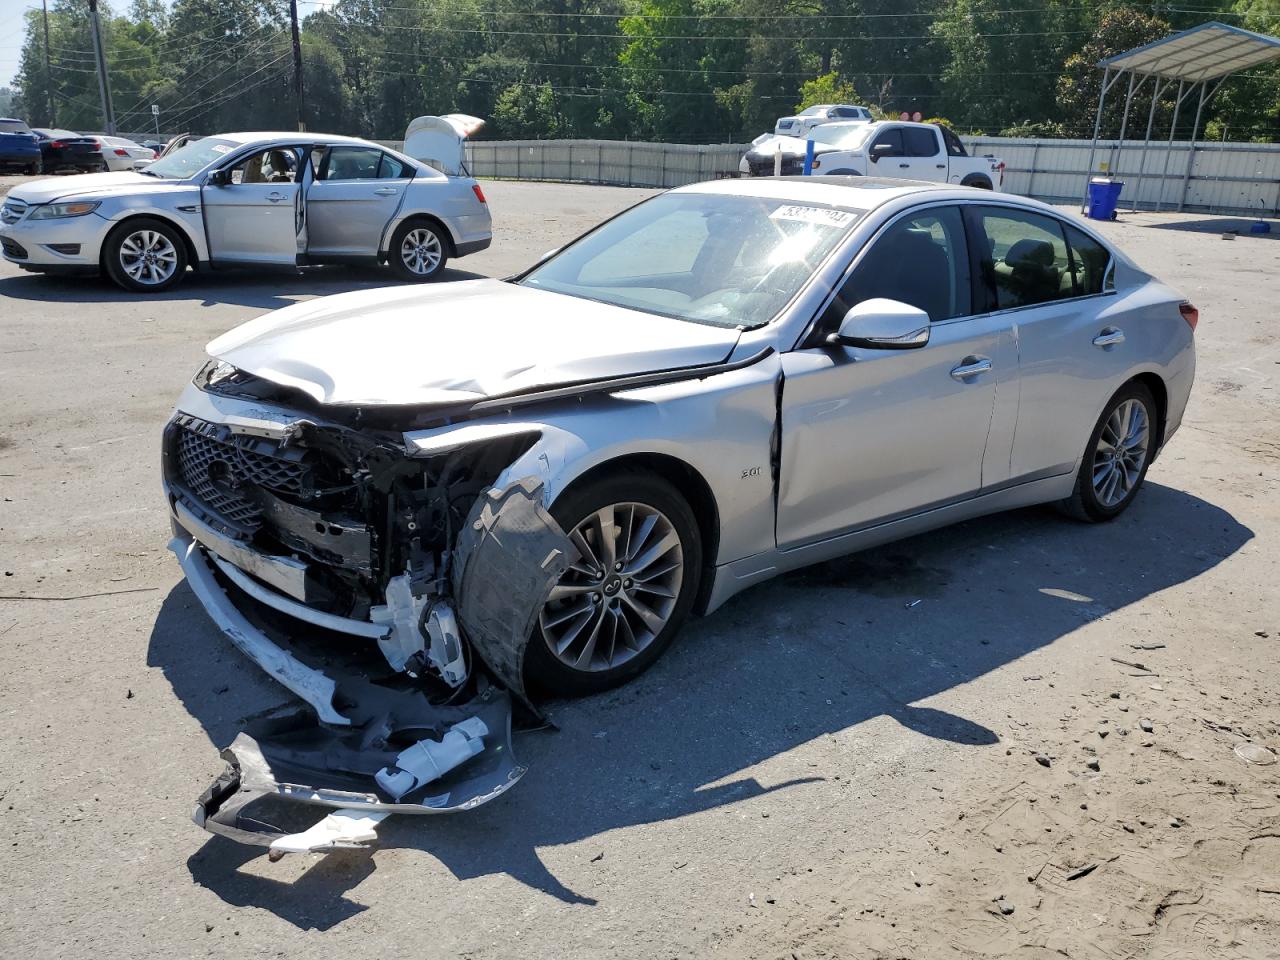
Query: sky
{"points": [[11, 30]]}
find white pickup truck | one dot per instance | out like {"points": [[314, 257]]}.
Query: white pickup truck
{"points": [[891, 148]]}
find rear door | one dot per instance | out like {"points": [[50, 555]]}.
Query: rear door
{"points": [[258, 216], [356, 193], [1055, 295], [922, 155]]}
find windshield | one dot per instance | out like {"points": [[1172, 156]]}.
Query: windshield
{"points": [[812, 111], [189, 160], [708, 258], [846, 136], [13, 126]]}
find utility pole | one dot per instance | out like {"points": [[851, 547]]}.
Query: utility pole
{"points": [[297, 62], [104, 86], [48, 73]]}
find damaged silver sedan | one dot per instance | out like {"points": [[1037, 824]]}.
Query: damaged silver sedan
{"points": [[501, 488]]}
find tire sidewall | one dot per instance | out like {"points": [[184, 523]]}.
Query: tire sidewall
{"points": [[111, 254], [397, 240], [544, 671], [1085, 494]]}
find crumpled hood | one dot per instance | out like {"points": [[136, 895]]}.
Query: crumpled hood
{"points": [[88, 185], [458, 342]]}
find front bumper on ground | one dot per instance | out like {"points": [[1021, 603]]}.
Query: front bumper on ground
{"points": [[70, 243]]}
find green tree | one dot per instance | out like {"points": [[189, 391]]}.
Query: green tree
{"points": [[828, 88]]}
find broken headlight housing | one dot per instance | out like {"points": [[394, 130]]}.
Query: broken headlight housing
{"points": [[213, 373]]}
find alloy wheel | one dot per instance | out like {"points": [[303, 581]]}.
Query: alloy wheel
{"points": [[619, 595], [420, 251], [148, 257], [1121, 452]]}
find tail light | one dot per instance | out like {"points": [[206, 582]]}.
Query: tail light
{"points": [[56, 144], [1189, 313], [475, 188], [121, 152], [1000, 170]]}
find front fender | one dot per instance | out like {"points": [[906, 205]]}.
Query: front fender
{"points": [[183, 211], [722, 427]]}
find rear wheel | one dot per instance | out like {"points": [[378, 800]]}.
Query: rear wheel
{"points": [[617, 609], [146, 255], [419, 251], [1116, 459], [34, 168]]}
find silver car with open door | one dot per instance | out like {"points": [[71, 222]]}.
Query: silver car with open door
{"points": [[251, 199]]}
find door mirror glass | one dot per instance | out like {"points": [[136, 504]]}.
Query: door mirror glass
{"points": [[881, 324]]}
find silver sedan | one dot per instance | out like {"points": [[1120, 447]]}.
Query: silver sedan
{"points": [[725, 382], [252, 199]]}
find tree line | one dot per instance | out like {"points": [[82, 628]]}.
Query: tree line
{"points": [[691, 71]]}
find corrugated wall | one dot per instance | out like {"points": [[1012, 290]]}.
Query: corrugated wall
{"points": [[1236, 178]]}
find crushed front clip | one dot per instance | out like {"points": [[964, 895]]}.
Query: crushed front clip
{"points": [[402, 754]]}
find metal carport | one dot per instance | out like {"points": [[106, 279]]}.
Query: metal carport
{"points": [[1204, 57]]}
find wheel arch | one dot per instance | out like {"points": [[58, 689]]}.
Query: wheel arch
{"points": [[979, 180], [1160, 393], [188, 242], [688, 481], [415, 217]]}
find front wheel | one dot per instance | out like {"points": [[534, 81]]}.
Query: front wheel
{"points": [[419, 251], [617, 609], [145, 255], [1116, 459]]}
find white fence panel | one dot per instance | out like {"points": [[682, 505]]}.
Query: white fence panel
{"points": [[1237, 178]]}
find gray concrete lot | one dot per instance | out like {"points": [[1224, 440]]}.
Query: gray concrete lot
{"points": [[823, 768]]}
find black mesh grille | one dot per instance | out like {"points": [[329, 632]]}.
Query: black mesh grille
{"points": [[13, 248], [216, 467]]}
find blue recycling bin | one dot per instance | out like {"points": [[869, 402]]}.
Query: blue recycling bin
{"points": [[1104, 197]]}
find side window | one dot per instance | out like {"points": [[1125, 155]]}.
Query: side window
{"points": [[390, 168], [921, 259], [279, 165], [919, 142], [892, 138], [955, 147], [1024, 258], [353, 163], [844, 112], [1090, 261]]}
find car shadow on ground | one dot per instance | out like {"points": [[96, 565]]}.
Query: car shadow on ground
{"points": [[1233, 225], [813, 653], [264, 289]]}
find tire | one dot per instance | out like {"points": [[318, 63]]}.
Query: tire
{"points": [[34, 169], [125, 261], [419, 251], [976, 180], [639, 622], [843, 173], [1094, 501]]}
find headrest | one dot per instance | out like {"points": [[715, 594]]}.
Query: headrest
{"points": [[1031, 253]]}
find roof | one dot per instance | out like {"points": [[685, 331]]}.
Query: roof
{"points": [[862, 193], [1205, 52], [254, 136]]}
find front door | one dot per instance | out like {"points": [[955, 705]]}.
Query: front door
{"points": [[870, 435], [356, 193], [258, 215]]}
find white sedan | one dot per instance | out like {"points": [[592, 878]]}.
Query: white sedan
{"points": [[120, 153]]}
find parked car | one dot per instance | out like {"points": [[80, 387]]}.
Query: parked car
{"points": [[810, 117], [121, 154], [728, 381], [19, 148], [909, 151], [283, 199], [62, 149], [155, 146]]}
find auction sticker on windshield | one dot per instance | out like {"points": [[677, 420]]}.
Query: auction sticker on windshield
{"points": [[822, 215]]}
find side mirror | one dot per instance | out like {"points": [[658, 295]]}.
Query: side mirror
{"points": [[880, 150], [881, 324], [219, 178]]}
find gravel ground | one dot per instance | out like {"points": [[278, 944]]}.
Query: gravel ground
{"points": [[823, 768]]}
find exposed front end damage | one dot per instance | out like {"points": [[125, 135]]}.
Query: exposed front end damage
{"points": [[385, 585]]}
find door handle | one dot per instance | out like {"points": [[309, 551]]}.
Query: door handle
{"points": [[275, 197], [941, 166], [971, 367], [386, 191], [1109, 337], [904, 166]]}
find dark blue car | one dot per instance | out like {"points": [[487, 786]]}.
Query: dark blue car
{"points": [[19, 147]]}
